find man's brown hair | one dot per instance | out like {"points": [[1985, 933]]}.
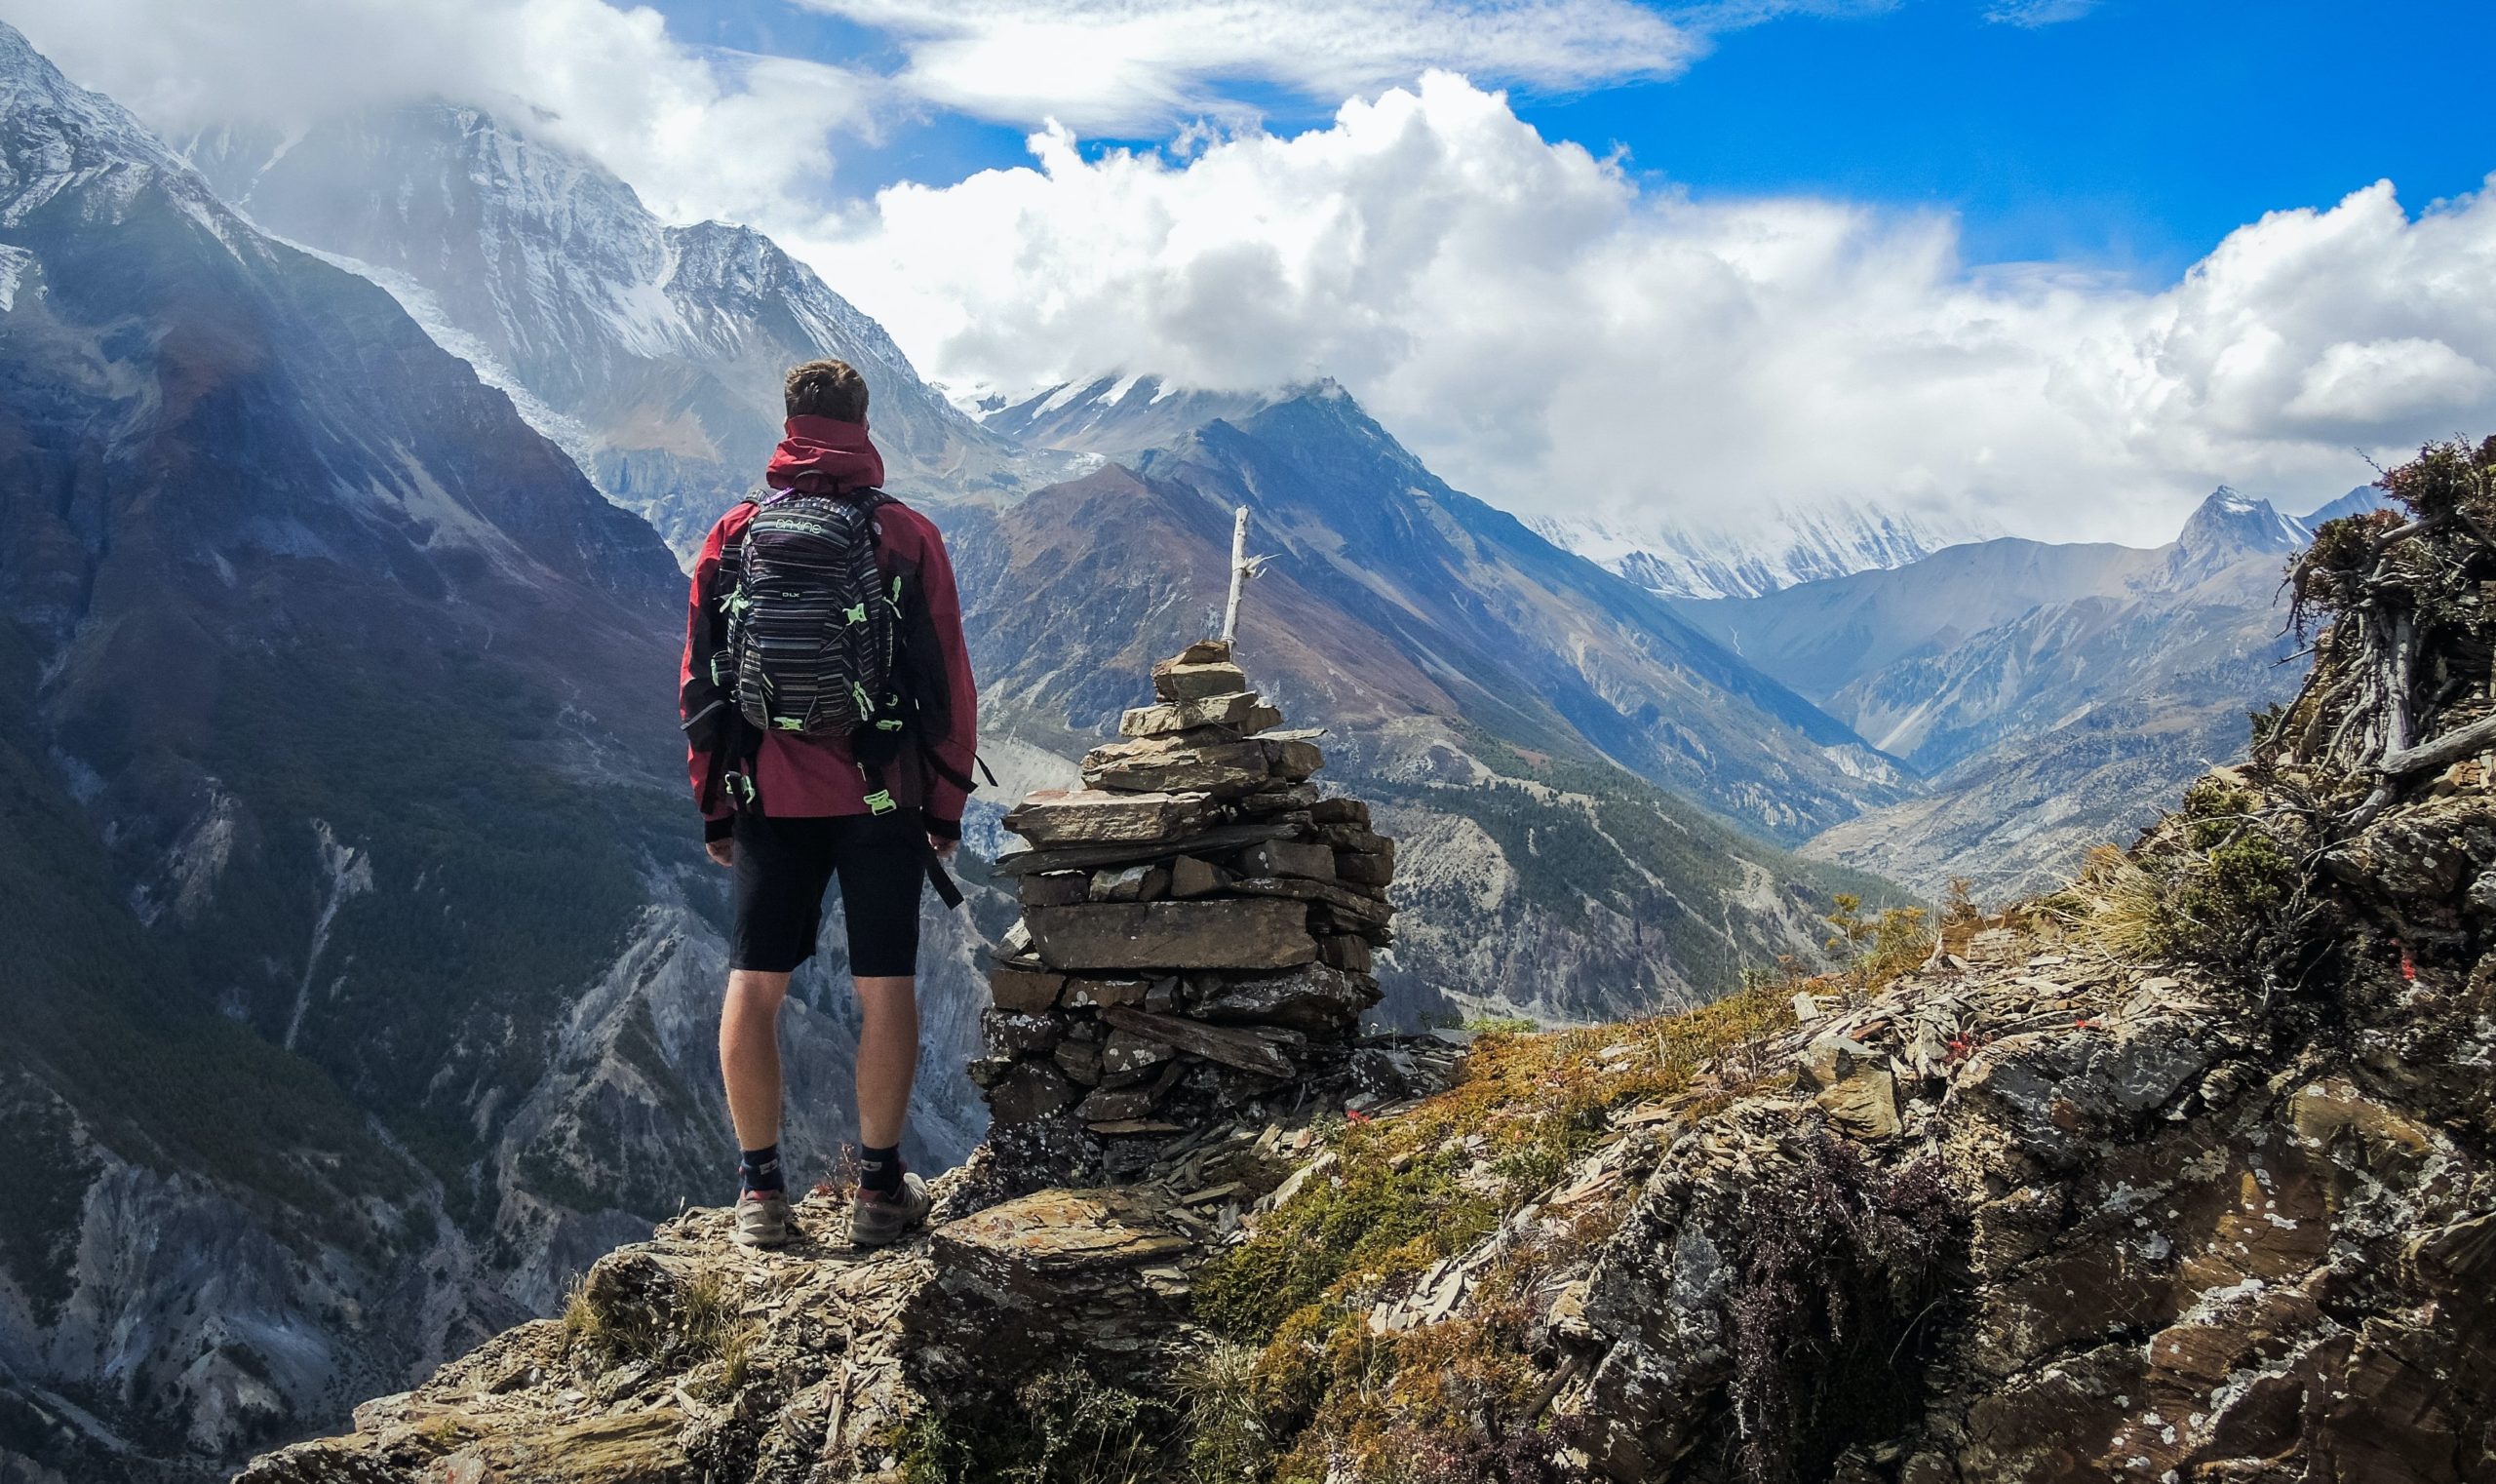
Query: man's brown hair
{"points": [[827, 389]]}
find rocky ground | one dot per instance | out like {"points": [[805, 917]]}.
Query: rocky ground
{"points": [[2183, 1173]]}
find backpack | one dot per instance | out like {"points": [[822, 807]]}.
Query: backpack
{"points": [[812, 638], [813, 627]]}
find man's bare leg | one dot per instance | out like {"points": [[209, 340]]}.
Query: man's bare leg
{"points": [[750, 1054], [888, 1056]]}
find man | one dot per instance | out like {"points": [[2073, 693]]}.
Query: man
{"points": [[796, 796]]}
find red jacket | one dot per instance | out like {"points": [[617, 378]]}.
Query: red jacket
{"points": [[805, 777]]}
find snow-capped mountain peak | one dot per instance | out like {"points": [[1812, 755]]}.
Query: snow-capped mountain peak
{"points": [[1785, 546], [652, 352], [1125, 412]]}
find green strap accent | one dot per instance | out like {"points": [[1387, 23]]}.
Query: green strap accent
{"points": [[790, 724], [889, 724], [865, 703], [880, 802], [856, 615]]}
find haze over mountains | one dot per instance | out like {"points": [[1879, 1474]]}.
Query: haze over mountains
{"points": [[367, 948], [2050, 694]]}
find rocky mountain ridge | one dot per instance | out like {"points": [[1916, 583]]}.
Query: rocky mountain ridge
{"points": [[2051, 693], [2185, 1171], [652, 352]]}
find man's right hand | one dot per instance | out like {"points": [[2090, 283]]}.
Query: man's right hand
{"points": [[722, 852]]}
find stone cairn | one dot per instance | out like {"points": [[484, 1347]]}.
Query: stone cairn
{"points": [[1198, 923]]}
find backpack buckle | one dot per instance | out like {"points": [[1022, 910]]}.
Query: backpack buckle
{"points": [[856, 615], [880, 802]]}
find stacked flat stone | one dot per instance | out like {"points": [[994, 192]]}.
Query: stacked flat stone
{"points": [[1199, 921]]}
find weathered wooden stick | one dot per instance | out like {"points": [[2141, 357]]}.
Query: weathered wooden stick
{"points": [[1238, 574]]}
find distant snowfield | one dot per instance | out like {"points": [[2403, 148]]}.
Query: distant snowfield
{"points": [[1757, 550]]}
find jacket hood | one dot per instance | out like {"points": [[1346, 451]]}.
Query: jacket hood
{"points": [[825, 455]]}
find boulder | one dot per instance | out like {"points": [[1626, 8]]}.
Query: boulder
{"points": [[1219, 934], [1312, 998], [1045, 1277], [1018, 1034], [1347, 952], [1291, 759], [1092, 994], [1056, 888], [1094, 818], [1241, 711], [1028, 862], [1364, 869], [1152, 765], [1354, 909], [1019, 990], [1340, 811], [1028, 1091], [1119, 1105], [1288, 857], [1246, 1050], [1080, 1061], [1125, 1052], [1141, 882], [1295, 799], [1190, 876], [1863, 1103], [1179, 680]]}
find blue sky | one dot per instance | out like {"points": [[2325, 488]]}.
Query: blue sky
{"points": [[2132, 137]]}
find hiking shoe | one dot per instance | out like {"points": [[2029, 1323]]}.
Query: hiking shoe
{"points": [[762, 1219], [877, 1220]]}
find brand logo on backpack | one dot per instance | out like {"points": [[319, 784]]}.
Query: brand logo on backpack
{"points": [[814, 638]]}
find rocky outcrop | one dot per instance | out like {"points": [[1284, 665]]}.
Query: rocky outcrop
{"points": [[1197, 932], [686, 1359]]}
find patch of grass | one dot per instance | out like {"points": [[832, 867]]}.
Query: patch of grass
{"points": [[1065, 1427], [2206, 885], [602, 1339], [1875, 949], [1228, 1440], [696, 1326]]}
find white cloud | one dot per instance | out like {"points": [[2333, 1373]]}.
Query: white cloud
{"points": [[699, 133], [2036, 13], [2358, 385], [1135, 65], [1553, 336]]}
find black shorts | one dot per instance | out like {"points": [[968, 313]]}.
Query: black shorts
{"points": [[783, 867]]}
